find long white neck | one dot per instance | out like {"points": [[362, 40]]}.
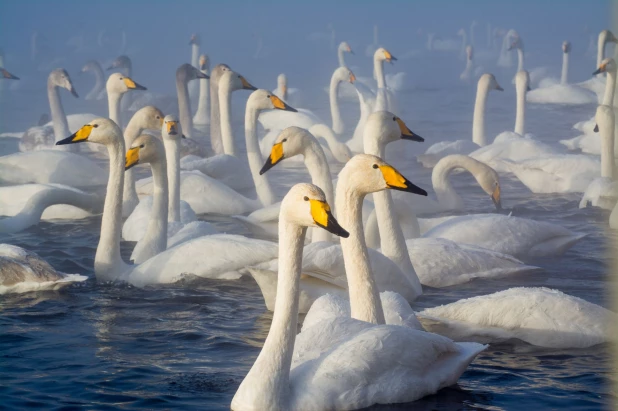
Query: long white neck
{"points": [[202, 115], [564, 78], [378, 69], [602, 40], [59, 119], [155, 238], [267, 385], [317, 165], [520, 58], [610, 86], [225, 105], [338, 126], [99, 84], [195, 52], [184, 108], [464, 43], [607, 149], [392, 240], [172, 154], [215, 125], [478, 121], [468, 69], [341, 57], [254, 156], [445, 193], [113, 104], [107, 261], [365, 301], [520, 114], [129, 193]]}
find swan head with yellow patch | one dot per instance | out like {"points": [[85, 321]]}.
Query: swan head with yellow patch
{"points": [[100, 130], [204, 63], [290, 142], [119, 83], [369, 174], [171, 129], [607, 65], [145, 149], [345, 47], [305, 205], [383, 54], [383, 127], [262, 99]]}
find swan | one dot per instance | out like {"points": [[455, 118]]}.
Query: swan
{"points": [[195, 52], [467, 73], [343, 48], [117, 85], [603, 191], [23, 271], [228, 82], [322, 370], [505, 59], [222, 199], [98, 91], [289, 95], [180, 214], [562, 93], [589, 142], [538, 316], [595, 83], [215, 124], [435, 152], [202, 114], [124, 64], [226, 253], [184, 74]]}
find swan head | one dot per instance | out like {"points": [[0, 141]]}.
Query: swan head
{"points": [[171, 128], [345, 47], [566, 47], [120, 62], [186, 72], [7, 75], [522, 81], [382, 54], [366, 174], [235, 81], [607, 66], [204, 62], [344, 74], [489, 181], [387, 127], [90, 66], [608, 36], [146, 149], [290, 142], [100, 130], [148, 118], [305, 205], [218, 71], [195, 39], [119, 83], [60, 78], [489, 82], [262, 99], [516, 42]]}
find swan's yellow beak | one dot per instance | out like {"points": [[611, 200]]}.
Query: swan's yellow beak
{"points": [[276, 155], [172, 128], [80, 135], [280, 104], [602, 69], [389, 57], [132, 85], [132, 157], [396, 181], [495, 197], [323, 217], [406, 133], [352, 77], [246, 85]]}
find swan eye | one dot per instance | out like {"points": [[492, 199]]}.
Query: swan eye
{"points": [[95, 125], [375, 166], [120, 78], [158, 117], [284, 140], [142, 146], [306, 198], [395, 118]]}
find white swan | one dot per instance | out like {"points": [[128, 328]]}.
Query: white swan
{"points": [[289, 95], [435, 152], [229, 82], [117, 85], [23, 271], [505, 59], [98, 91], [195, 52], [184, 74], [215, 123], [322, 369], [603, 191], [595, 83], [226, 253], [343, 48], [550, 92], [538, 316], [202, 114]]}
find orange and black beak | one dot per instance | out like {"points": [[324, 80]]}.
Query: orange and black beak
{"points": [[281, 105], [406, 133], [276, 155], [79, 136], [396, 181], [8, 76]]}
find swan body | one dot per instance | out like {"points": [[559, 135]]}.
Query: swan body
{"points": [[23, 271], [538, 316], [289, 362], [227, 169], [515, 236], [435, 152]]}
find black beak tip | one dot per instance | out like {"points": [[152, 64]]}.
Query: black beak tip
{"points": [[596, 128], [413, 137], [292, 109], [499, 88], [68, 140], [598, 71], [183, 136], [74, 93]]}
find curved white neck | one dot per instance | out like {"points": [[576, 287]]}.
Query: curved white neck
{"points": [[113, 104], [564, 78], [341, 58], [392, 240], [520, 58], [378, 70], [445, 193], [172, 154], [107, 261], [215, 125], [225, 106], [607, 151], [478, 121], [202, 112], [520, 114], [184, 108], [59, 119], [365, 301], [610, 87], [267, 385], [129, 193], [254, 156], [155, 238], [338, 126], [318, 168], [602, 40], [99, 84]]}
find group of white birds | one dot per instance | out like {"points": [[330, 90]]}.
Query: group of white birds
{"points": [[364, 259]]}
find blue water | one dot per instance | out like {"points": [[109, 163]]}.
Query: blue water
{"points": [[188, 345]]}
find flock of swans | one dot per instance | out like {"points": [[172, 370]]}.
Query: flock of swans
{"points": [[367, 255]]}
